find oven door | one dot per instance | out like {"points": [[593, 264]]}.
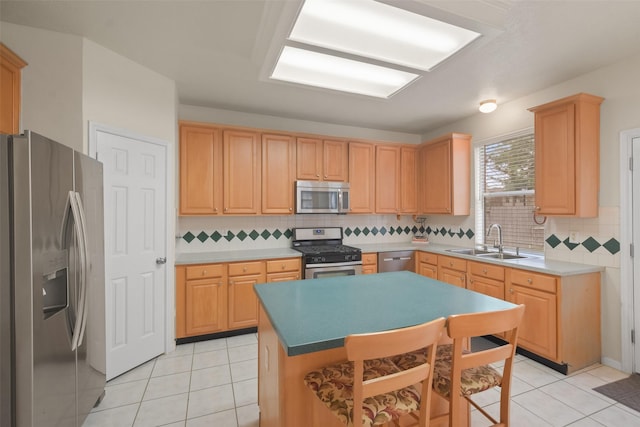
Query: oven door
{"points": [[319, 271]]}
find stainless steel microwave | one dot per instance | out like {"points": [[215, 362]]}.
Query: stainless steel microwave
{"points": [[322, 197]]}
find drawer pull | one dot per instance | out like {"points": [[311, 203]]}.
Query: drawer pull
{"points": [[529, 280]]}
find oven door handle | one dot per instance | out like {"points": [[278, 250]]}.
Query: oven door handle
{"points": [[334, 264]]}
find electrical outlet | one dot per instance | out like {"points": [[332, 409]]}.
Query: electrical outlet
{"points": [[574, 237]]}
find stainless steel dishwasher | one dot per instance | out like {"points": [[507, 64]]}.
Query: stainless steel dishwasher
{"points": [[396, 261]]}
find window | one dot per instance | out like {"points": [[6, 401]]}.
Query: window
{"points": [[505, 192]]}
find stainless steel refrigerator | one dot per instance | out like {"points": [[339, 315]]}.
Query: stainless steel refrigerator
{"points": [[52, 348]]}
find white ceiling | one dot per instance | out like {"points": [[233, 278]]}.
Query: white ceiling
{"points": [[220, 53]]}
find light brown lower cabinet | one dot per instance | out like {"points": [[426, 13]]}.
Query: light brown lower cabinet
{"points": [[562, 313], [452, 270], [212, 298], [201, 299], [427, 264], [370, 263]]}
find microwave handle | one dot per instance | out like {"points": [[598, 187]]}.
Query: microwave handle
{"points": [[340, 206]]}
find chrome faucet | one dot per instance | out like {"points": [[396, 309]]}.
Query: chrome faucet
{"points": [[499, 245]]}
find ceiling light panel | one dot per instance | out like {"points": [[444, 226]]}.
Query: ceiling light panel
{"points": [[332, 72], [380, 31]]}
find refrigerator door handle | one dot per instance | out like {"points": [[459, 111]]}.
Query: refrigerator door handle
{"points": [[74, 207], [84, 269]]}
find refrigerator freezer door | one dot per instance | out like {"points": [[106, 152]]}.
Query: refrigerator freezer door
{"points": [[45, 366], [6, 369]]}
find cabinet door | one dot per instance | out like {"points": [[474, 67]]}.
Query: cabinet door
{"points": [[278, 174], [10, 89], [309, 159], [387, 179], [205, 306], [436, 168], [408, 180], [453, 277], [335, 163], [538, 330], [362, 175], [493, 288], [243, 302], [555, 160], [200, 170], [428, 270], [241, 172]]}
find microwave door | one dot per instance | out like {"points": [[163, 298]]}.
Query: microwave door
{"points": [[319, 201]]}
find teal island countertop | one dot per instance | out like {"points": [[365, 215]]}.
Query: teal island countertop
{"points": [[315, 315]]}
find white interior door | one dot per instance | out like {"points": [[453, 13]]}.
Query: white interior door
{"points": [[135, 188], [636, 244]]}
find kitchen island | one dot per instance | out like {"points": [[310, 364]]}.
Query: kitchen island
{"points": [[302, 326]]}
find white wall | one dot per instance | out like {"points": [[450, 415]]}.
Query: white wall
{"points": [[121, 93], [618, 84], [51, 82]]}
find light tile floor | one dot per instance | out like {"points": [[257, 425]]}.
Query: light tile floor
{"points": [[214, 383]]}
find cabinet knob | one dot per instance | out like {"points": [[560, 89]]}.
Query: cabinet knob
{"points": [[451, 263], [317, 175], [290, 209], [325, 177], [204, 272], [484, 270], [215, 209], [283, 266], [510, 291], [470, 280], [231, 282], [244, 269], [537, 208], [529, 280], [225, 209]]}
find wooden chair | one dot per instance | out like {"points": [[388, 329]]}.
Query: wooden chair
{"points": [[369, 389], [459, 373]]}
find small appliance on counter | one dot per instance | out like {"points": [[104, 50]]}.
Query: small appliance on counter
{"points": [[324, 255]]}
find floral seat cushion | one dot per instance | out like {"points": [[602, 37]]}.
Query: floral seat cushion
{"points": [[474, 380], [333, 385]]}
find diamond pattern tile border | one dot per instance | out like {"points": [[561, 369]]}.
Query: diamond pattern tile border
{"points": [[591, 244]]}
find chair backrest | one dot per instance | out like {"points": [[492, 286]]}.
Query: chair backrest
{"points": [[361, 347], [464, 326]]}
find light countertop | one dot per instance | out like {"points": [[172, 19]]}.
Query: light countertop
{"points": [[533, 263]]}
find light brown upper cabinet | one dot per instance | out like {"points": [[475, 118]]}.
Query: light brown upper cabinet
{"points": [[242, 166], [362, 177], [408, 180], [444, 165], [387, 178], [567, 159], [200, 170], [322, 160], [10, 87], [278, 173]]}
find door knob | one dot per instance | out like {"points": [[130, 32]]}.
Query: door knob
{"points": [[161, 260]]}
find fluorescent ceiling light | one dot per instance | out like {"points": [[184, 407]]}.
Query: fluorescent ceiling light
{"points": [[332, 72], [380, 31]]}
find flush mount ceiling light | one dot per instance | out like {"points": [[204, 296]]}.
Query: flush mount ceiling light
{"points": [[376, 30], [378, 48], [333, 72], [488, 106]]}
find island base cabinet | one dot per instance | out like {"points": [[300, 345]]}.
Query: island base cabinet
{"points": [[285, 401]]}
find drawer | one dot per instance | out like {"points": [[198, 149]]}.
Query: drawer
{"points": [[205, 271], [428, 258], [533, 280], [279, 265], [486, 270], [370, 259], [452, 263], [244, 268]]}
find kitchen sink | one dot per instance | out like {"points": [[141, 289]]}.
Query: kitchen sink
{"points": [[470, 251], [501, 256]]}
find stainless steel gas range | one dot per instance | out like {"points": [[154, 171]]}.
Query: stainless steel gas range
{"points": [[324, 255]]}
